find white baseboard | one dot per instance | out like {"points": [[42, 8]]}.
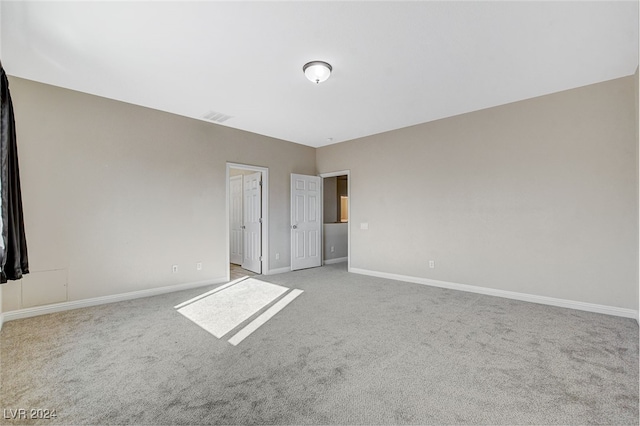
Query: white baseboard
{"points": [[563, 303], [337, 260], [85, 303], [278, 270], [1, 321]]}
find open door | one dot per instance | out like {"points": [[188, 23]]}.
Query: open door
{"points": [[306, 223], [252, 224], [235, 219]]}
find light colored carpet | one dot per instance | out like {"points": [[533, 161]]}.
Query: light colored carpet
{"points": [[222, 311], [352, 350]]}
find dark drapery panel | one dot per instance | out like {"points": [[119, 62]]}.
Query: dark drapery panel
{"points": [[14, 255]]}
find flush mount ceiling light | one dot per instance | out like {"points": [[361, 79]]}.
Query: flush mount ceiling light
{"points": [[317, 71]]}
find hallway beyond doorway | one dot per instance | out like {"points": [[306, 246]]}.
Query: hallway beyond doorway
{"points": [[236, 272]]}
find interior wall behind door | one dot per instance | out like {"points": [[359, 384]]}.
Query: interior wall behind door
{"points": [[335, 218]]}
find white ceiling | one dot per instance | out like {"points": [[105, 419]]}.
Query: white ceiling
{"points": [[395, 64]]}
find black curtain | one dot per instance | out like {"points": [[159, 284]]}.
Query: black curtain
{"points": [[14, 254]]}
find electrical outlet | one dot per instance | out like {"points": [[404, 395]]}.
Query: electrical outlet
{"points": [[432, 264], [277, 256], [199, 266], [333, 249], [174, 268]]}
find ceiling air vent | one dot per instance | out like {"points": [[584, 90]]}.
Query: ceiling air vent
{"points": [[216, 117]]}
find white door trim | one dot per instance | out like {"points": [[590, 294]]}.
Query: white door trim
{"points": [[333, 174], [265, 211]]}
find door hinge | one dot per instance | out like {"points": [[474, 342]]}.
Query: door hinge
{"points": [[260, 258], [260, 183], [260, 220]]}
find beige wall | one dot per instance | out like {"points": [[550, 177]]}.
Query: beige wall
{"points": [[636, 80], [536, 197], [114, 194], [636, 91]]}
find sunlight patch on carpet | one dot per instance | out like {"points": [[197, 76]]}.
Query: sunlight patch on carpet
{"points": [[215, 290], [223, 310], [264, 317]]}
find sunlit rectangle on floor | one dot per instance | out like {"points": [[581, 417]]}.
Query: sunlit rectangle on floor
{"points": [[221, 312], [264, 317], [215, 290]]}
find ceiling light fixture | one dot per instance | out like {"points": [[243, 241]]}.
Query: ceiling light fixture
{"points": [[317, 71]]}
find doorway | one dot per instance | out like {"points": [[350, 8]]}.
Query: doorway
{"points": [[247, 224], [336, 212]]}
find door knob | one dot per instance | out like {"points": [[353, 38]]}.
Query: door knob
{"points": [[243, 227], [295, 226]]}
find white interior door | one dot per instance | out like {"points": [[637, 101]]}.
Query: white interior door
{"points": [[235, 219], [252, 224], [305, 222]]}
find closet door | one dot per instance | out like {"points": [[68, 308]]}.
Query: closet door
{"points": [[252, 224], [235, 219]]}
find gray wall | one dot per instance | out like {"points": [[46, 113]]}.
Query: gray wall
{"points": [[537, 197], [335, 235], [114, 194]]}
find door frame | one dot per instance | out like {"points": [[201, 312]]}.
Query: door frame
{"points": [[265, 212], [328, 175]]}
